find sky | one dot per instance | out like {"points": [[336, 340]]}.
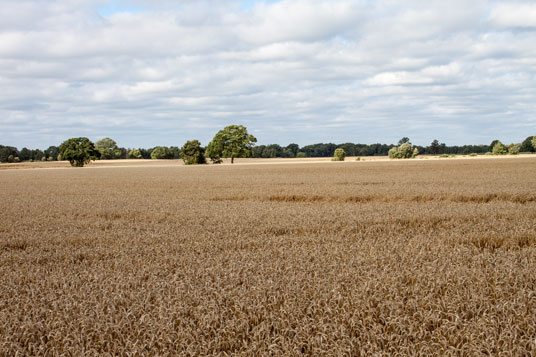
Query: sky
{"points": [[148, 73]]}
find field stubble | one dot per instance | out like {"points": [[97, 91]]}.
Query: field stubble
{"points": [[318, 259]]}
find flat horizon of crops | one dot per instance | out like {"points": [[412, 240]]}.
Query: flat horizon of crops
{"points": [[390, 258]]}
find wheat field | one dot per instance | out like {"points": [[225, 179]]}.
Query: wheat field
{"points": [[332, 259]]}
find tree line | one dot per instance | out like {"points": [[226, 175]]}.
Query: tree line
{"points": [[234, 141]]}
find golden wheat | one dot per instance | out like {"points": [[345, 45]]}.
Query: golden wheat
{"points": [[387, 258]]}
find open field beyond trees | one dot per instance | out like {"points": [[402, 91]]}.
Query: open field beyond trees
{"points": [[425, 257]]}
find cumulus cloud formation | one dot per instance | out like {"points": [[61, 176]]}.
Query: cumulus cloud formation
{"points": [[152, 73]]}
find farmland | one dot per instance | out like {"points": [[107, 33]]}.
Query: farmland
{"points": [[355, 258]]}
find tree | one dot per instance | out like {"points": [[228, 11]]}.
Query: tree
{"points": [[174, 153], [192, 153], [78, 151], [294, 148], [404, 140], [339, 154], [492, 145], [499, 149], [233, 141], [434, 147], [134, 154], [526, 145], [6, 151], [534, 142], [26, 154], [52, 153], [108, 149], [37, 155], [160, 152]]}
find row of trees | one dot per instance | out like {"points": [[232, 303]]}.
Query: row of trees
{"points": [[351, 149], [234, 141]]}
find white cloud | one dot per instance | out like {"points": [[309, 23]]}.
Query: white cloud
{"points": [[521, 15], [292, 71]]}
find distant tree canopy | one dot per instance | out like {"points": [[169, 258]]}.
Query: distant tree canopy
{"points": [[231, 138], [527, 145], [134, 154], [404, 140], [233, 141], [108, 149], [161, 152], [78, 151], [192, 153], [52, 153], [6, 152]]}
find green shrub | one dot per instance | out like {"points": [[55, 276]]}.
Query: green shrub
{"points": [[404, 151], [513, 149], [499, 149], [473, 154], [339, 155], [301, 154], [357, 159], [443, 155]]}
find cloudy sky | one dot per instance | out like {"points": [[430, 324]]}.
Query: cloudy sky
{"points": [[149, 73]]}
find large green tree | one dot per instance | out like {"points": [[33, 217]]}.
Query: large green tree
{"points": [[108, 149], [192, 153], [233, 141], [78, 151], [526, 145]]}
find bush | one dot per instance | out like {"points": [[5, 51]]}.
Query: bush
{"points": [[473, 154], [192, 153], [513, 149], [357, 159], [339, 155], [301, 154], [404, 151], [499, 149], [443, 156]]}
